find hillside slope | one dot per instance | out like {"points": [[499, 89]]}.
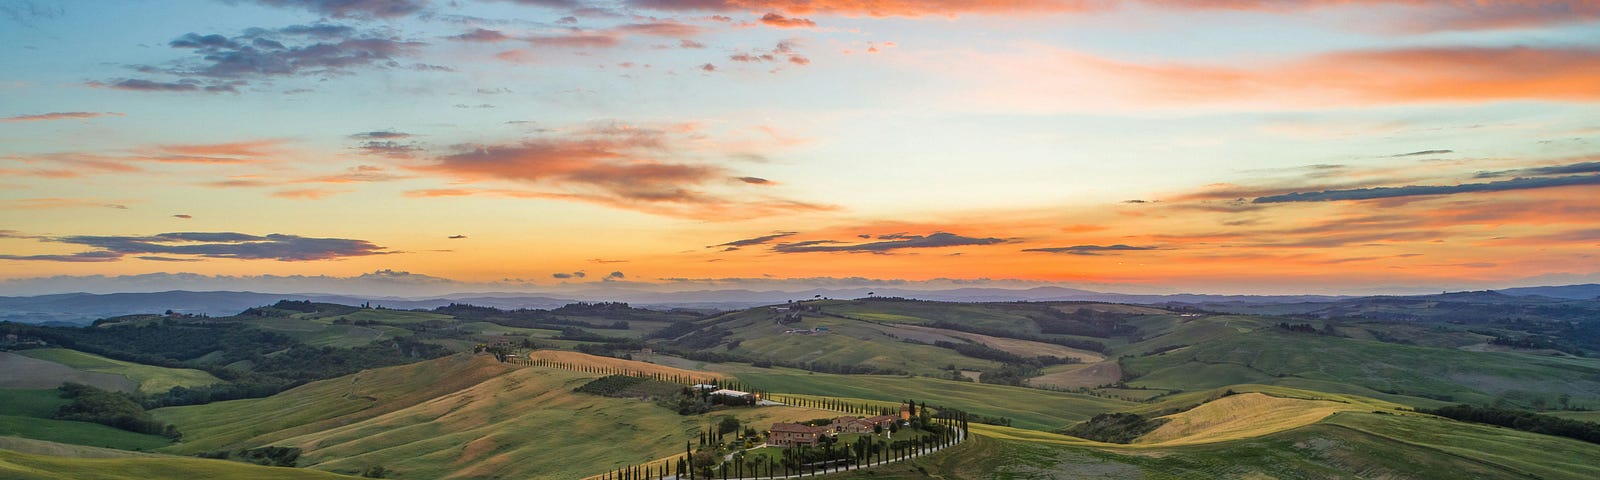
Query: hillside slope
{"points": [[458, 417]]}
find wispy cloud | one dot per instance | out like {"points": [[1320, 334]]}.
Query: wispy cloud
{"points": [[898, 242], [625, 166], [1090, 249], [231, 245], [221, 63], [736, 244], [353, 8], [41, 117], [1423, 190]]}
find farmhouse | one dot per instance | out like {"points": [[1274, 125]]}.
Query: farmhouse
{"points": [[794, 434], [881, 421], [732, 394], [851, 425]]}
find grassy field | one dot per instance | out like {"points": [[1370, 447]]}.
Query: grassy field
{"points": [[152, 379], [26, 414], [261, 421], [30, 403], [1081, 375], [56, 449], [1028, 408], [22, 466], [23, 372], [1241, 416], [458, 416], [79, 433], [1268, 355], [1346, 445], [1590, 416]]}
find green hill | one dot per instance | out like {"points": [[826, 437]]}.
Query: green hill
{"points": [[152, 379], [1416, 375], [22, 466], [463, 416], [1026, 407]]}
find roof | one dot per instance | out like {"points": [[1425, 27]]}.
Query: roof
{"points": [[794, 428], [882, 418], [731, 393]]}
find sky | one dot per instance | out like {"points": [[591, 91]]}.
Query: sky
{"points": [[1207, 146]]}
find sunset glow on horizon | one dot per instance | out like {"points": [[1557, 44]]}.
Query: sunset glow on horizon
{"points": [[1208, 146]]}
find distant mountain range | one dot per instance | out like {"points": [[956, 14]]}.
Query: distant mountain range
{"points": [[79, 308]]}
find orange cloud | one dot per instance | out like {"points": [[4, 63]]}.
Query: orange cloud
{"points": [[780, 21], [1383, 76], [622, 166], [1433, 14]]}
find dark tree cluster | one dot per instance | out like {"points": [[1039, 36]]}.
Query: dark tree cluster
{"points": [[113, 409], [1086, 323], [1080, 344], [1521, 420], [1114, 427]]}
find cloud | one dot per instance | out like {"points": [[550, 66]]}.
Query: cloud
{"points": [[221, 64], [1338, 79], [785, 51], [1419, 15], [1422, 153], [308, 193], [184, 216], [457, 237], [1575, 168], [617, 165], [58, 116], [185, 85], [381, 135], [1090, 249], [754, 180], [780, 21], [352, 8], [708, 67], [1420, 190], [734, 245], [934, 240], [56, 202], [390, 149], [286, 248], [481, 35], [660, 29], [615, 276], [564, 275], [576, 40]]}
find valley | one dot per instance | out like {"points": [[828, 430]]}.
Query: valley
{"points": [[475, 392]]}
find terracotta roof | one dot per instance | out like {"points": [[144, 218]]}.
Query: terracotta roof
{"points": [[794, 428]]}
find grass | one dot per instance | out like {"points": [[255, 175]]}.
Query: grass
{"points": [[78, 433], [1527, 453], [1028, 408], [1266, 355], [1241, 416], [55, 449], [1078, 375], [22, 466], [26, 414], [1346, 445], [152, 379], [30, 403], [324, 404], [1591, 416], [23, 372], [465, 416]]}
